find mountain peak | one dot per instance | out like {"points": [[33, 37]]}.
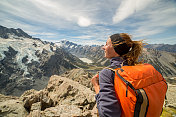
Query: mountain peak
{"points": [[6, 32]]}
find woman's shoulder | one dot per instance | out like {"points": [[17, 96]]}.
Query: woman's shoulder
{"points": [[106, 75]]}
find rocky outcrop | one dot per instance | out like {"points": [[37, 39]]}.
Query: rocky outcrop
{"points": [[11, 107], [171, 95], [62, 97], [169, 109], [79, 75]]}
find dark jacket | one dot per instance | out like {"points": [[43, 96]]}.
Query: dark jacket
{"points": [[107, 103]]}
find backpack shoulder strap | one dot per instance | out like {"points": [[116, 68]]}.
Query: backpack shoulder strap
{"points": [[112, 68]]}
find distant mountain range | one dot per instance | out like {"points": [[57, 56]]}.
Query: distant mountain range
{"points": [[27, 62], [162, 47], [163, 61], [94, 53]]}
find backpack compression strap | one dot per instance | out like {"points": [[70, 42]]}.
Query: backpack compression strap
{"points": [[142, 104]]}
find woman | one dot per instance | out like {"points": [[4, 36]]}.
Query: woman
{"points": [[121, 50]]}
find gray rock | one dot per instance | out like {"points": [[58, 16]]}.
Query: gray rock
{"points": [[36, 106]]}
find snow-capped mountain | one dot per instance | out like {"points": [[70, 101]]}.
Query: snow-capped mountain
{"points": [[27, 62], [7, 32], [67, 44], [93, 52]]}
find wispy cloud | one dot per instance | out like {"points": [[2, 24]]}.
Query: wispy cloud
{"points": [[62, 10], [129, 7], [156, 21], [170, 40], [49, 12], [83, 37]]}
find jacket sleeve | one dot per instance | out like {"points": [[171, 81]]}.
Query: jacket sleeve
{"points": [[107, 102]]}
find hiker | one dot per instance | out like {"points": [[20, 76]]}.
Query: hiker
{"points": [[121, 51]]}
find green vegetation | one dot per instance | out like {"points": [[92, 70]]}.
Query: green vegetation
{"points": [[168, 112]]}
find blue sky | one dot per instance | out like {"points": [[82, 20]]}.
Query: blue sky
{"points": [[90, 22]]}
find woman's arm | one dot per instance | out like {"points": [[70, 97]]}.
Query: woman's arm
{"points": [[107, 103], [95, 82]]}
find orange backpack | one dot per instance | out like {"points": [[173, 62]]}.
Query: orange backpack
{"points": [[140, 89]]}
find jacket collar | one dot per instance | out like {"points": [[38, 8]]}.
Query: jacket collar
{"points": [[117, 61]]}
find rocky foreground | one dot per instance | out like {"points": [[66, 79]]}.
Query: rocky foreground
{"points": [[62, 97], [68, 95]]}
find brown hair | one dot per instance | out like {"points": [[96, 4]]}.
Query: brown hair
{"points": [[136, 49]]}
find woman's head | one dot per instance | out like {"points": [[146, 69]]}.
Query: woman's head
{"points": [[121, 45], [109, 49]]}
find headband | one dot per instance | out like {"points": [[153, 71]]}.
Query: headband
{"points": [[119, 44]]}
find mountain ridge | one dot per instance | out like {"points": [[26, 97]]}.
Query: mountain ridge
{"points": [[162, 47], [6, 32]]}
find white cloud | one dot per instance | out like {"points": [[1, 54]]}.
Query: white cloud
{"points": [[83, 37], [88, 42], [84, 22]]}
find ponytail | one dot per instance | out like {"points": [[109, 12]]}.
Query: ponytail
{"points": [[135, 51]]}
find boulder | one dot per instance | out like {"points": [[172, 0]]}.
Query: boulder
{"points": [[171, 96], [79, 75], [11, 107]]}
